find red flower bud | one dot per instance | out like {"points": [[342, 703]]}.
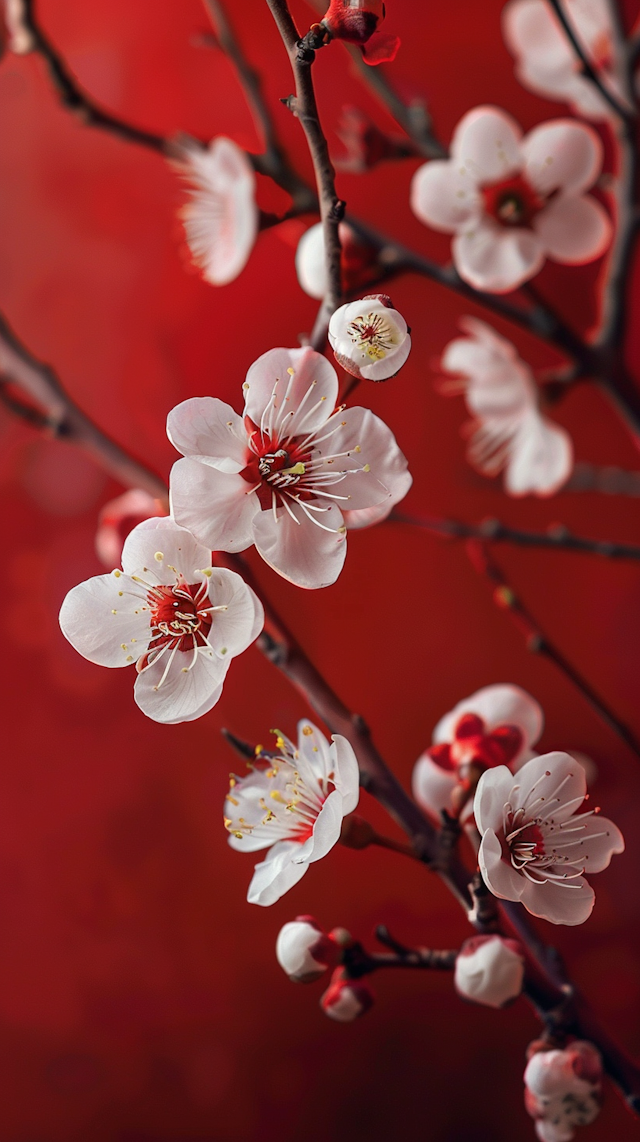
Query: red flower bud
{"points": [[346, 999], [357, 22]]}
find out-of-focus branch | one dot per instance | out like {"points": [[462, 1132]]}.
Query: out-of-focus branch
{"points": [[54, 411], [604, 479], [538, 642], [557, 537], [626, 114], [358, 962]]}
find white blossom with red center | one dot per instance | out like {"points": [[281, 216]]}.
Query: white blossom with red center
{"points": [[536, 846], [222, 219], [283, 475], [346, 999], [498, 725], [292, 803], [20, 37], [546, 61], [357, 21], [563, 1089], [511, 201], [179, 619], [508, 432], [489, 970], [369, 338]]}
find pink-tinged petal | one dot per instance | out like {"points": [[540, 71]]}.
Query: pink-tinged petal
{"points": [[381, 47], [374, 466], [573, 230], [299, 549], [487, 142], [347, 774], [117, 519], [276, 874], [367, 517], [215, 506], [499, 877], [221, 221], [541, 458], [549, 782], [301, 401], [491, 797], [207, 429], [432, 786], [498, 705], [233, 630], [155, 547], [595, 840], [315, 752], [103, 620], [311, 269], [326, 831], [562, 155], [444, 195], [559, 903], [183, 694], [532, 30], [491, 258]]}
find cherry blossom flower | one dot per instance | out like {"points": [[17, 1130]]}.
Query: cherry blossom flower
{"points": [[222, 219], [346, 999], [563, 1089], [546, 62], [535, 846], [281, 475], [508, 432], [118, 518], [489, 970], [512, 201], [369, 338], [292, 803], [304, 951], [179, 619], [20, 38], [498, 725], [357, 21], [311, 268]]}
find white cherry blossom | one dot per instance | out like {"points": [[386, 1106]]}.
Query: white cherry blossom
{"points": [[511, 201], [489, 970], [546, 62], [369, 338], [292, 803], [498, 725], [508, 432], [563, 1089], [346, 999], [536, 846], [304, 951], [179, 619], [282, 475], [222, 219]]}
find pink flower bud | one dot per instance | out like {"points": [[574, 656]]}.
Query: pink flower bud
{"points": [[489, 970], [304, 951], [357, 22], [118, 518], [562, 1089], [346, 999]]}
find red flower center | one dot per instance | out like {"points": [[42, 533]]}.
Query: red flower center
{"points": [[472, 745], [512, 201], [272, 465], [180, 615]]}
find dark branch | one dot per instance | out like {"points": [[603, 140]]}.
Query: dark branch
{"points": [[588, 70]]}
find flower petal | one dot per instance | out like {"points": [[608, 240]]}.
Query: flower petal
{"points": [[559, 903], [233, 630], [491, 258], [367, 517], [187, 692], [315, 752], [207, 429], [432, 786], [549, 781], [490, 798], [498, 705], [487, 142], [347, 774], [326, 831], [573, 230], [299, 549], [531, 30], [541, 457], [374, 466], [499, 877], [215, 506], [221, 221], [276, 874], [301, 400], [444, 195], [596, 839], [562, 155], [163, 536], [101, 624]]}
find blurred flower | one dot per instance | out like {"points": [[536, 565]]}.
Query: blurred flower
{"points": [[116, 520], [369, 338], [357, 22], [20, 38], [365, 144], [534, 848], [179, 619], [563, 1089], [489, 970], [512, 201], [546, 62], [304, 951], [311, 268], [497, 725], [292, 804], [509, 433], [281, 476], [221, 220], [346, 999]]}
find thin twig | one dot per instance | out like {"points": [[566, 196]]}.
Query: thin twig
{"points": [[538, 642], [358, 962], [589, 71]]}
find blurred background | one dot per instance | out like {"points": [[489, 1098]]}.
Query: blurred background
{"points": [[140, 998]]}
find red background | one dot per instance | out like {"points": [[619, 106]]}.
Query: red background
{"points": [[140, 999]]}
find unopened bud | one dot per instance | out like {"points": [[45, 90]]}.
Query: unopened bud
{"points": [[489, 970], [563, 1089], [357, 21], [346, 999], [304, 951], [118, 518]]}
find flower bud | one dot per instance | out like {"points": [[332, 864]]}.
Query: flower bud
{"points": [[346, 999], [356, 258], [562, 1089], [357, 21], [118, 518], [304, 951], [489, 970], [369, 338]]}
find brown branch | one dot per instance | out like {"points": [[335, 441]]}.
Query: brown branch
{"points": [[358, 962], [538, 642], [606, 480]]}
